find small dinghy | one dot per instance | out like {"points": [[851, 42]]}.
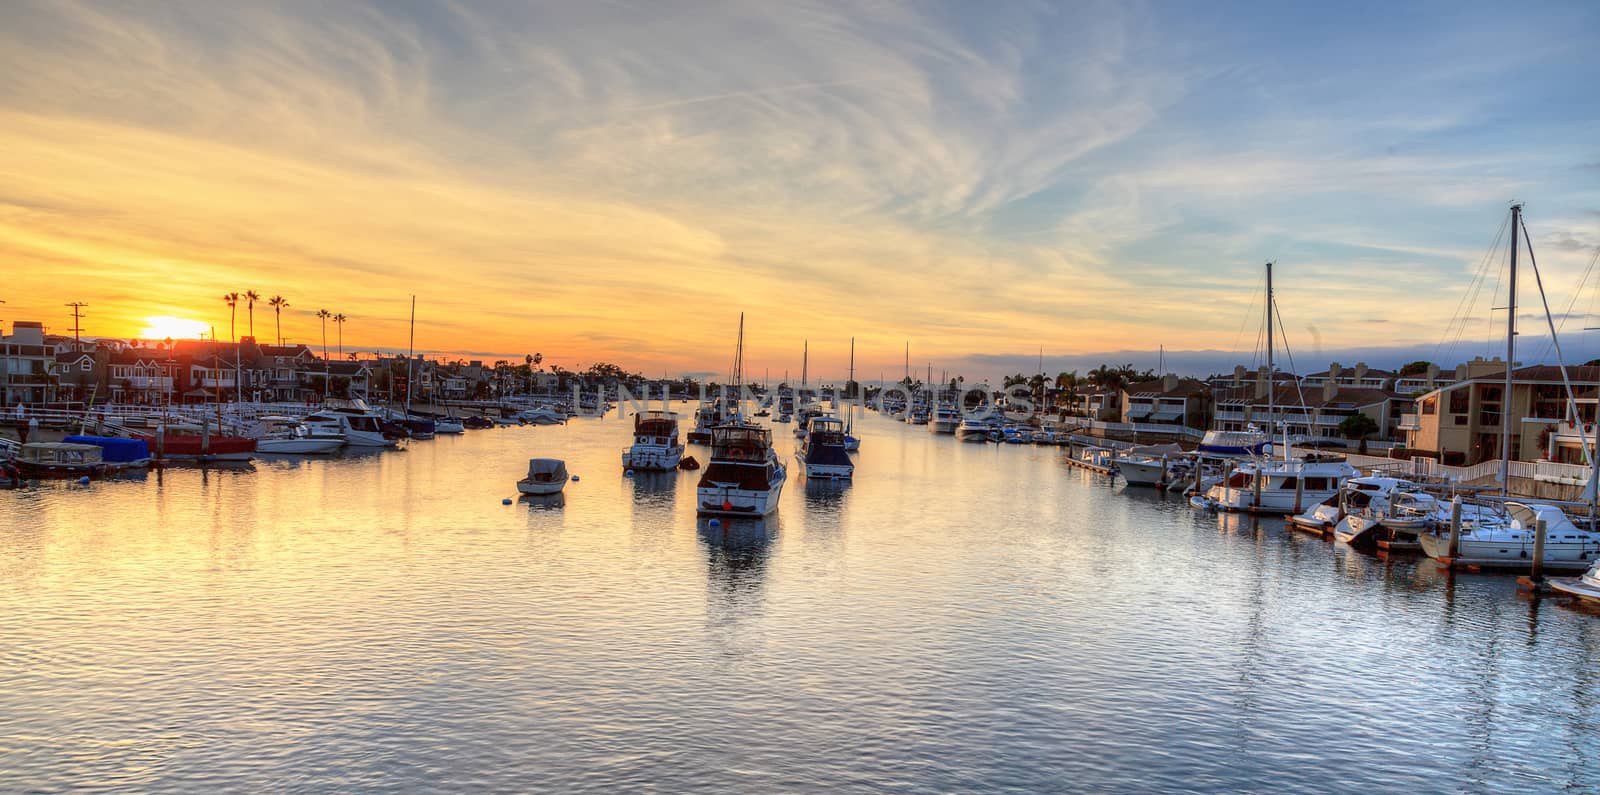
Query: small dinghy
{"points": [[545, 476]]}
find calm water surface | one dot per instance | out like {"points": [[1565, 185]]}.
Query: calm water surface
{"points": [[961, 618]]}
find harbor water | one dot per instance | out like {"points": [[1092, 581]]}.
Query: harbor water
{"points": [[962, 617]]}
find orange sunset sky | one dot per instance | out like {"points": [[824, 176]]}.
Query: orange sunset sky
{"points": [[615, 181]]}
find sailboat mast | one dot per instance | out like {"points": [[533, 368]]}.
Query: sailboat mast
{"points": [[738, 356], [411, 354], [1272, 381], [851, 385], [1511, 355], [805, 361]]}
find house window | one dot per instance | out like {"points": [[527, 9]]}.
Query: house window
{"points": [[1460, 401], [1430, 405], [86, 366]]}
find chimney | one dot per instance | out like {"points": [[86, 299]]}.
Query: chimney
{"points": [[1361, 372], [1261, 383], [1329, 389], [1169, 382], [1334, 370], [1238, 375], [1433, 375]]}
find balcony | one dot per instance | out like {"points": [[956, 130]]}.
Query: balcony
{"points": [[1409, 422]]}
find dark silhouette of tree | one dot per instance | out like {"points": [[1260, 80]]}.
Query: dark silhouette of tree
{"points": [[250, 299], [278, 304]]}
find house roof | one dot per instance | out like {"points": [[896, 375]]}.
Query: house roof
{"points": [[1186, 387], [1310, 397]]}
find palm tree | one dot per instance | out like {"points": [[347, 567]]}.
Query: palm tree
{"points": [[250, 299], [340, 319], [233, 311], [278, 304], [324, 314]]}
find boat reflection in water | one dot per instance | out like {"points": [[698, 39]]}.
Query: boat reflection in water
{"points": [[544, 502]]}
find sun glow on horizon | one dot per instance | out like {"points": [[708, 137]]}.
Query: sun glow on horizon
{"points": [[179, 328]]}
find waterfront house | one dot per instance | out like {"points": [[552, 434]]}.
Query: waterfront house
{"points": [[1168, 400], [26, 360], [1311, 412], [1460, 423]]}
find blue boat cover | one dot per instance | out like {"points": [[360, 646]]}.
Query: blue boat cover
{"points": [[114, 450]]}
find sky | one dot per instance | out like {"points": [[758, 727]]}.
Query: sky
{"points": [[618, 181]]}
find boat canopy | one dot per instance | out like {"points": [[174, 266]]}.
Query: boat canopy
{"points": [[546, 470], [61, 452], [114, 449]]}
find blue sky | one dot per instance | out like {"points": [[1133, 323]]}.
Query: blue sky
{"points": [[618, 180]]}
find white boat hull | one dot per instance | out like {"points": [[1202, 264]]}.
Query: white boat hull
{"points": [[298, 446], [1558, 552], [716, 500], [943, 426], [541, 489], [1142, 473], [651, 459]]}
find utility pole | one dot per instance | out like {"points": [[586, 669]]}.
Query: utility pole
{"points": [[77, 324]]}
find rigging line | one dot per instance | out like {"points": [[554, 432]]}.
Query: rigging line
{"points": [[1572, 400], [1460, 326], [1249, 311], [1575, 295], [1288, 354], [1468, 297]]}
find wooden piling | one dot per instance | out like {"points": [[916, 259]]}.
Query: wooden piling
{"points": [[1537, 572]]}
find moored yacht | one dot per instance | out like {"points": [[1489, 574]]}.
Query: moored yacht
{"points": [[1585, 587], [655, 442], [1510, 538], [822, 453], [975, 429], [275, 434], [351, 420], [945, 419], [1153, 465], [744, 476]]}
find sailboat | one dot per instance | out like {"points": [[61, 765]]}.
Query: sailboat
{"points": [[850, 440], [1510, 538], [1283, 485], [744, 476]]}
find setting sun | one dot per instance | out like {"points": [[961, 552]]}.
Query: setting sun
{"points": [[163, 326]]}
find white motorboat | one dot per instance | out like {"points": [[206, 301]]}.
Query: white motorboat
{"points": [[1152, 465], [822, 453], [546, 476], [945, 419], [744, 476], [351, 421], [1278, 486], [656, 446], [448, 425], [975, 429], [1586, 586], [540, 415], [1510, 538], [281, 435]]}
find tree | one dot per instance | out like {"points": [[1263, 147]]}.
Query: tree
{"points": [[340, 319], [232, 300], [1418, 367], [278, 304], [250, 299], [1358, 426]]}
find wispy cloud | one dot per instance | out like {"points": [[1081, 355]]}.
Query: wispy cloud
{"points": [[619, 180]]}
